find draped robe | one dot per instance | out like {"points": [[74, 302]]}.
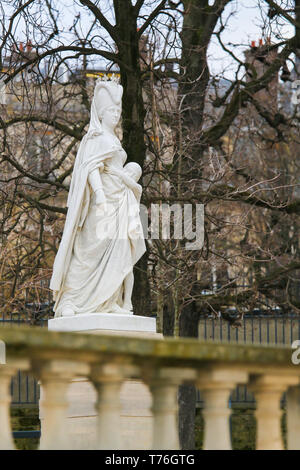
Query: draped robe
{"points": [[97, 250]]}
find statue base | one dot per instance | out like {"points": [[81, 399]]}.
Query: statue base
{"points": [[136, 416], [104, 322]]}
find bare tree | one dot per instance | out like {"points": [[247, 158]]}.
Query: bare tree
{"points": [[227, 143]]}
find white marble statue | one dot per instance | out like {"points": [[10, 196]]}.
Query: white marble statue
{"points": [[102, 238]]}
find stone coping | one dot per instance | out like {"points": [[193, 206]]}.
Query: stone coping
{"points": [[39, 343]]}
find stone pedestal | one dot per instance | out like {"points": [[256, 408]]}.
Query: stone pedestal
{"points": [[136, 401], [104, 322]]}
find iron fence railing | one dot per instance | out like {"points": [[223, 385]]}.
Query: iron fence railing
{"points": [[24, 387], [251, 329], [256, 328]]}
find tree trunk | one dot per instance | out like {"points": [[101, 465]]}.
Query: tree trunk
{"points": [[133, 115], [187, 394], [141, 289], [199, 22]]}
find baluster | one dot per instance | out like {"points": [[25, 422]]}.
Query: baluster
{"points": [[293, 418], [55, 377], [164, 384], [108, 379], [268, 390], [7, 371], [6, 439], [216, 386]]}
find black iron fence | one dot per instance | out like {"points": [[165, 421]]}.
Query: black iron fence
{"points": [[24, 387], [31, 314], [24, 390], [251, 329]]}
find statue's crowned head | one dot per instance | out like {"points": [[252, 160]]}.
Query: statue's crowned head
{"points": [[107, 93]]}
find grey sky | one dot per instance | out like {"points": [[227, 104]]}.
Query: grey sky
{"points": [[245, 26]]}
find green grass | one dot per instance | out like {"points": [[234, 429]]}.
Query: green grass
{"points": [[242, 425], [25, 419], [243, 429]]}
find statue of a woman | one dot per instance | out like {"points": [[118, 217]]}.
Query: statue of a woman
{"points": [[102, 238]]}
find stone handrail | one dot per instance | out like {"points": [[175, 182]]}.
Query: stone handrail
{"points": [[163, 364]]}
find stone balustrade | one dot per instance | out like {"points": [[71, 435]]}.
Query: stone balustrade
{"points": [[107, 361]]}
